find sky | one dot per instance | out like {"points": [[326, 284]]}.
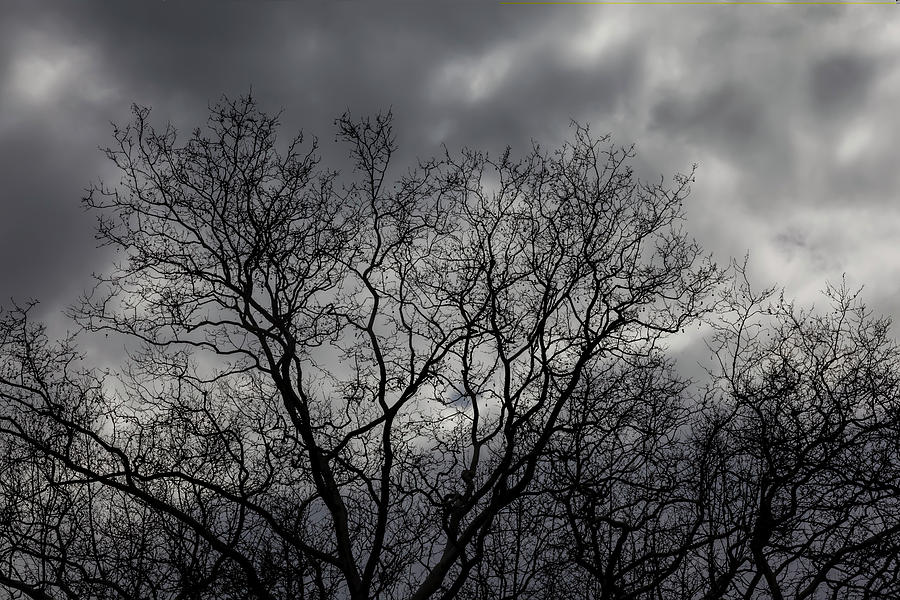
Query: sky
{"points": [[791, 112]]}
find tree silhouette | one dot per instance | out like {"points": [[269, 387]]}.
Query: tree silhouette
{"points": [[443, 382], [342, 383], [804, 419]]}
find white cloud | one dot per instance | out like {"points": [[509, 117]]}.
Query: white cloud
{"points": [[598, 36], [473, 79], [46, 71]]}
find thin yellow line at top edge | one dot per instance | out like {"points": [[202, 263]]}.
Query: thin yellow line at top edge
{"points": [[713, 2]]}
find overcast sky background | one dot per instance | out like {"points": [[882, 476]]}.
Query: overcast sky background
{"points": [[790, 111]]}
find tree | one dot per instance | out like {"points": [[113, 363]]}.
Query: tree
{"points": [[616, 511], [777, 480], [340, 386], [803, 420]]}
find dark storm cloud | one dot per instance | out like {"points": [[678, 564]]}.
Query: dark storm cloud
{"points": [[42, 221], [541, 94], [67, 69], [728, 117], [841, 82], [316, 60], [70, 68], [791, 118]]}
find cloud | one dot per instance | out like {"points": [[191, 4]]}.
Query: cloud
{"points": [[841, 82], [728, 117], [792, 117]]}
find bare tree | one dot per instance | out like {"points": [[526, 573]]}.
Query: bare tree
{"points": [[777, 480], [617, 510], [803, 433], [628, 483], [446, 383], [338, 386]]}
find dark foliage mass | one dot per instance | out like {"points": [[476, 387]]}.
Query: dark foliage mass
{"points": [[450, 381]]}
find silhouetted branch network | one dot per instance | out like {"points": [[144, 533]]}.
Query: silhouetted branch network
{"points": [[446, 382]]}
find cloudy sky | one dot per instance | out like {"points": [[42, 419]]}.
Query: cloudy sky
{"points": [[790, 111]]}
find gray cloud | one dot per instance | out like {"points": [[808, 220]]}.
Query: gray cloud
{"points": [[727, 117], [792, 119], [841, 82]]}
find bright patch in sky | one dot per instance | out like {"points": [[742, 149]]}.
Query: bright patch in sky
{"points": [[855, 141], [599, 36], [45, 72], [39, 77], [473, 79]]}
